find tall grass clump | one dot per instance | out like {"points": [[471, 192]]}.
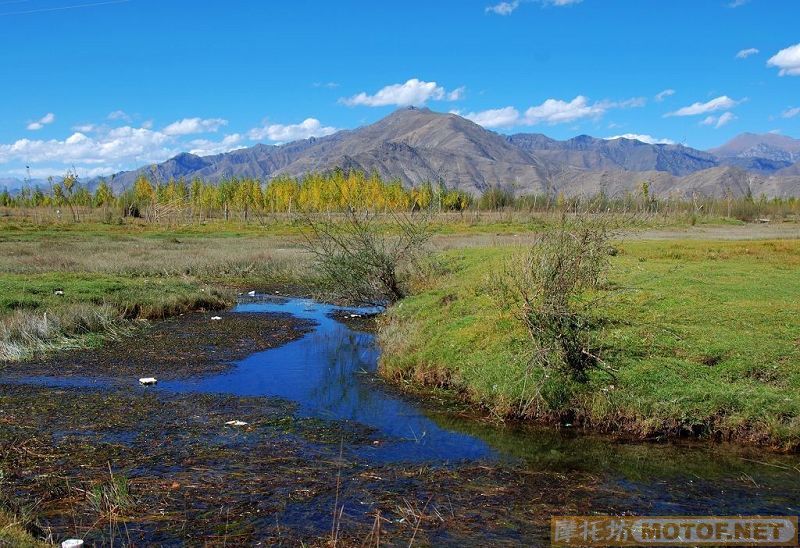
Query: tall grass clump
{"points": [[24, 333], [547, 286], [364, 260], [111, 498]]}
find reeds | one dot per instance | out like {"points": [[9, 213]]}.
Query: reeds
{"points": [[24, 333]]}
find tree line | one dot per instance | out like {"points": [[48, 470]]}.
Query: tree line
{"points": [[244, 198]]}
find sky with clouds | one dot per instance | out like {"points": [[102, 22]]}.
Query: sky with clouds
{"points": [[103, 86]]}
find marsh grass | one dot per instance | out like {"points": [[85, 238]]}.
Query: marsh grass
{"points": [[111, 498], [76, 285], [26, 333], [14, 534]]}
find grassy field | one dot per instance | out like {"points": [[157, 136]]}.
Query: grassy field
{"points": [[73, 285], [703, 338], [699, 323]]}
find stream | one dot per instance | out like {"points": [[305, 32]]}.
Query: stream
{"points": [[329, 373]]}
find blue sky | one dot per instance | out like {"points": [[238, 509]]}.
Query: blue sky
{"points": [[110, 85]]}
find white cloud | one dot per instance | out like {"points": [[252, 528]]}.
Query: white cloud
{"points": [[507, 8], [725, 118], [745, 53], [718, 121], [188, 126], [413, 92], [503, 8], [99, 149], [122, 144], [205, 147], [633, 102], [650, 140], [329, 85], [787, 60], [310, 127], [556, 111], [790, 112], [48, 118], [551, 111], [492, 118], [457, 94], [119, 115], [709, 121], [660, 96], [720, 103], [737, 3]]}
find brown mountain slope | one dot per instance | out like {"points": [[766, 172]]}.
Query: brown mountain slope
{"points": [[418, 145]]}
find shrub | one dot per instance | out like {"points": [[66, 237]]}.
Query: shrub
{"points": [[361, 261], [545, 285]]}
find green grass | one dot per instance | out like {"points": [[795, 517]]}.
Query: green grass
{"points": [[111, 274], [13, 534], [44, 312], [704, 337], [134, 297]]}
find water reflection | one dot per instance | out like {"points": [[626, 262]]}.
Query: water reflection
{"points": [[329, 372]]}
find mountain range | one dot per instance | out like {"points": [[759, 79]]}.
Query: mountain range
{"points": [[418, 145]]}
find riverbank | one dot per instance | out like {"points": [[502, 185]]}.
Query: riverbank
{"points": [[702, 336], [79, 285]]}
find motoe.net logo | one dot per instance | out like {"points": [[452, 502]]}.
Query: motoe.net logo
{"points": [[674, 531]]}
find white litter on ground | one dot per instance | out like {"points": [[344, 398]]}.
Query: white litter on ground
{"points": [[216, 318], [72, 543], [251, 293], [236, 423], [146, 381]]}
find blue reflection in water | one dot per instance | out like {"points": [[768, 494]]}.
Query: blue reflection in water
{"points": [[329, 373]]}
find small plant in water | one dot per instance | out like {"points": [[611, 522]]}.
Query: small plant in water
{"points": [[112, 498]]}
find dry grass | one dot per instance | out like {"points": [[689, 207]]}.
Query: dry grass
{"points": [[70, 286], [25, 333], [139, 256]]}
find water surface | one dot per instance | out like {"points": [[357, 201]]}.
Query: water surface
{"points": [[330, 373]]}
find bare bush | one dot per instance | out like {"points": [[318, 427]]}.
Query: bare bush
{"points": [[546, 284], [363, 259]]}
